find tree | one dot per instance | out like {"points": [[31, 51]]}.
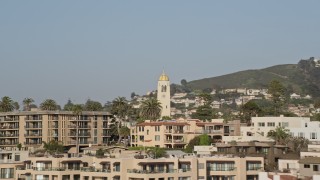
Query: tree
{"points": [[53, 147], [205, 113], [6, 104], [317, 103], [16, 106], [206, 97], [27, 102], [205, 140], [250, 109], [193, 142], [49, 105], [120, 108], [68, 106], [150, 109], [93, 106], [184, 82], [133, 94], [124, 131], [156, 152], [279, 135], [100, 153], [19, 146], [277, 91]]}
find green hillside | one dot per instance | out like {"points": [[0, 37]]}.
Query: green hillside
{"points": [[302, 78]]}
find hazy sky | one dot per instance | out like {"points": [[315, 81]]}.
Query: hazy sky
{"points": [[104, 49]]}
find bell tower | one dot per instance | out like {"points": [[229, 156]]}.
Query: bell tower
{"points": [[163, 94]]}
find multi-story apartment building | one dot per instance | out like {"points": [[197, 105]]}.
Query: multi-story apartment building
{"points": [[129, 166], [31, 128], [177, 133], [9, 160], [298, 126]]}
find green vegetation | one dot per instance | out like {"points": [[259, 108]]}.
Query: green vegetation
{"points": [[280, 134], [150, 109], [27, 102], [202, 140], [53, 147], [49, 105], [302, 78], [6, 104]]}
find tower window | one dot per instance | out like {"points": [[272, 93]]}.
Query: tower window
{"points": [[164, 89]]}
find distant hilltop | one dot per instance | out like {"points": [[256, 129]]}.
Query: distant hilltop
{"points": [[303, 78]]}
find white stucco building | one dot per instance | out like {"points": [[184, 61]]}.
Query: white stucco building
{"points": [[298, 126]]}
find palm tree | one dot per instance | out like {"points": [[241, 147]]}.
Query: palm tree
{"points": [[27, 103], [151, 109], [280, 134], [6, 104], [77, 111], [120, 109], [49, 105]]}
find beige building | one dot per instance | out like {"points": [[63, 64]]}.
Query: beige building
{"points": [[9, 159], [177, 133], [31, 128], [163, 94], [129, 165]]}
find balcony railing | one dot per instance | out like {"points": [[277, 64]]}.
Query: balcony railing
{"points": [[179, 141], [95, 170], [209, 131], [221, 168], [258, 168], [33, 135], [137, 171], [105, 134], [9, 127], [9, 135], [33, 127], [9, 143]]}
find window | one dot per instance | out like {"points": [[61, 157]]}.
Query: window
{"points": [[306, 125], [315, 168], [261, 124], [271, 124], [313, 135], [6, 173], [157, 138], [148, 132], [17, 157], [157, 128], [300, 134], [141, 138], [306, 166], [285, 124]]}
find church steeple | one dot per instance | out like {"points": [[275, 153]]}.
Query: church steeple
{"points": [[164, 94]]}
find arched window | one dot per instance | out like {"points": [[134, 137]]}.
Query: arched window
{"points": [[164, 88]]}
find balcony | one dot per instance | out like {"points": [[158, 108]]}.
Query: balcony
{"points": [[95, 170], [209, 131], [79, 127], [179, 141], [106, 134], [33, 143], [168, 141], [80, 142], [33, 135], [9, 135], [9, 127], [32, 119], [33, 127], [9, 143], [137, 171], [221, 168]]}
